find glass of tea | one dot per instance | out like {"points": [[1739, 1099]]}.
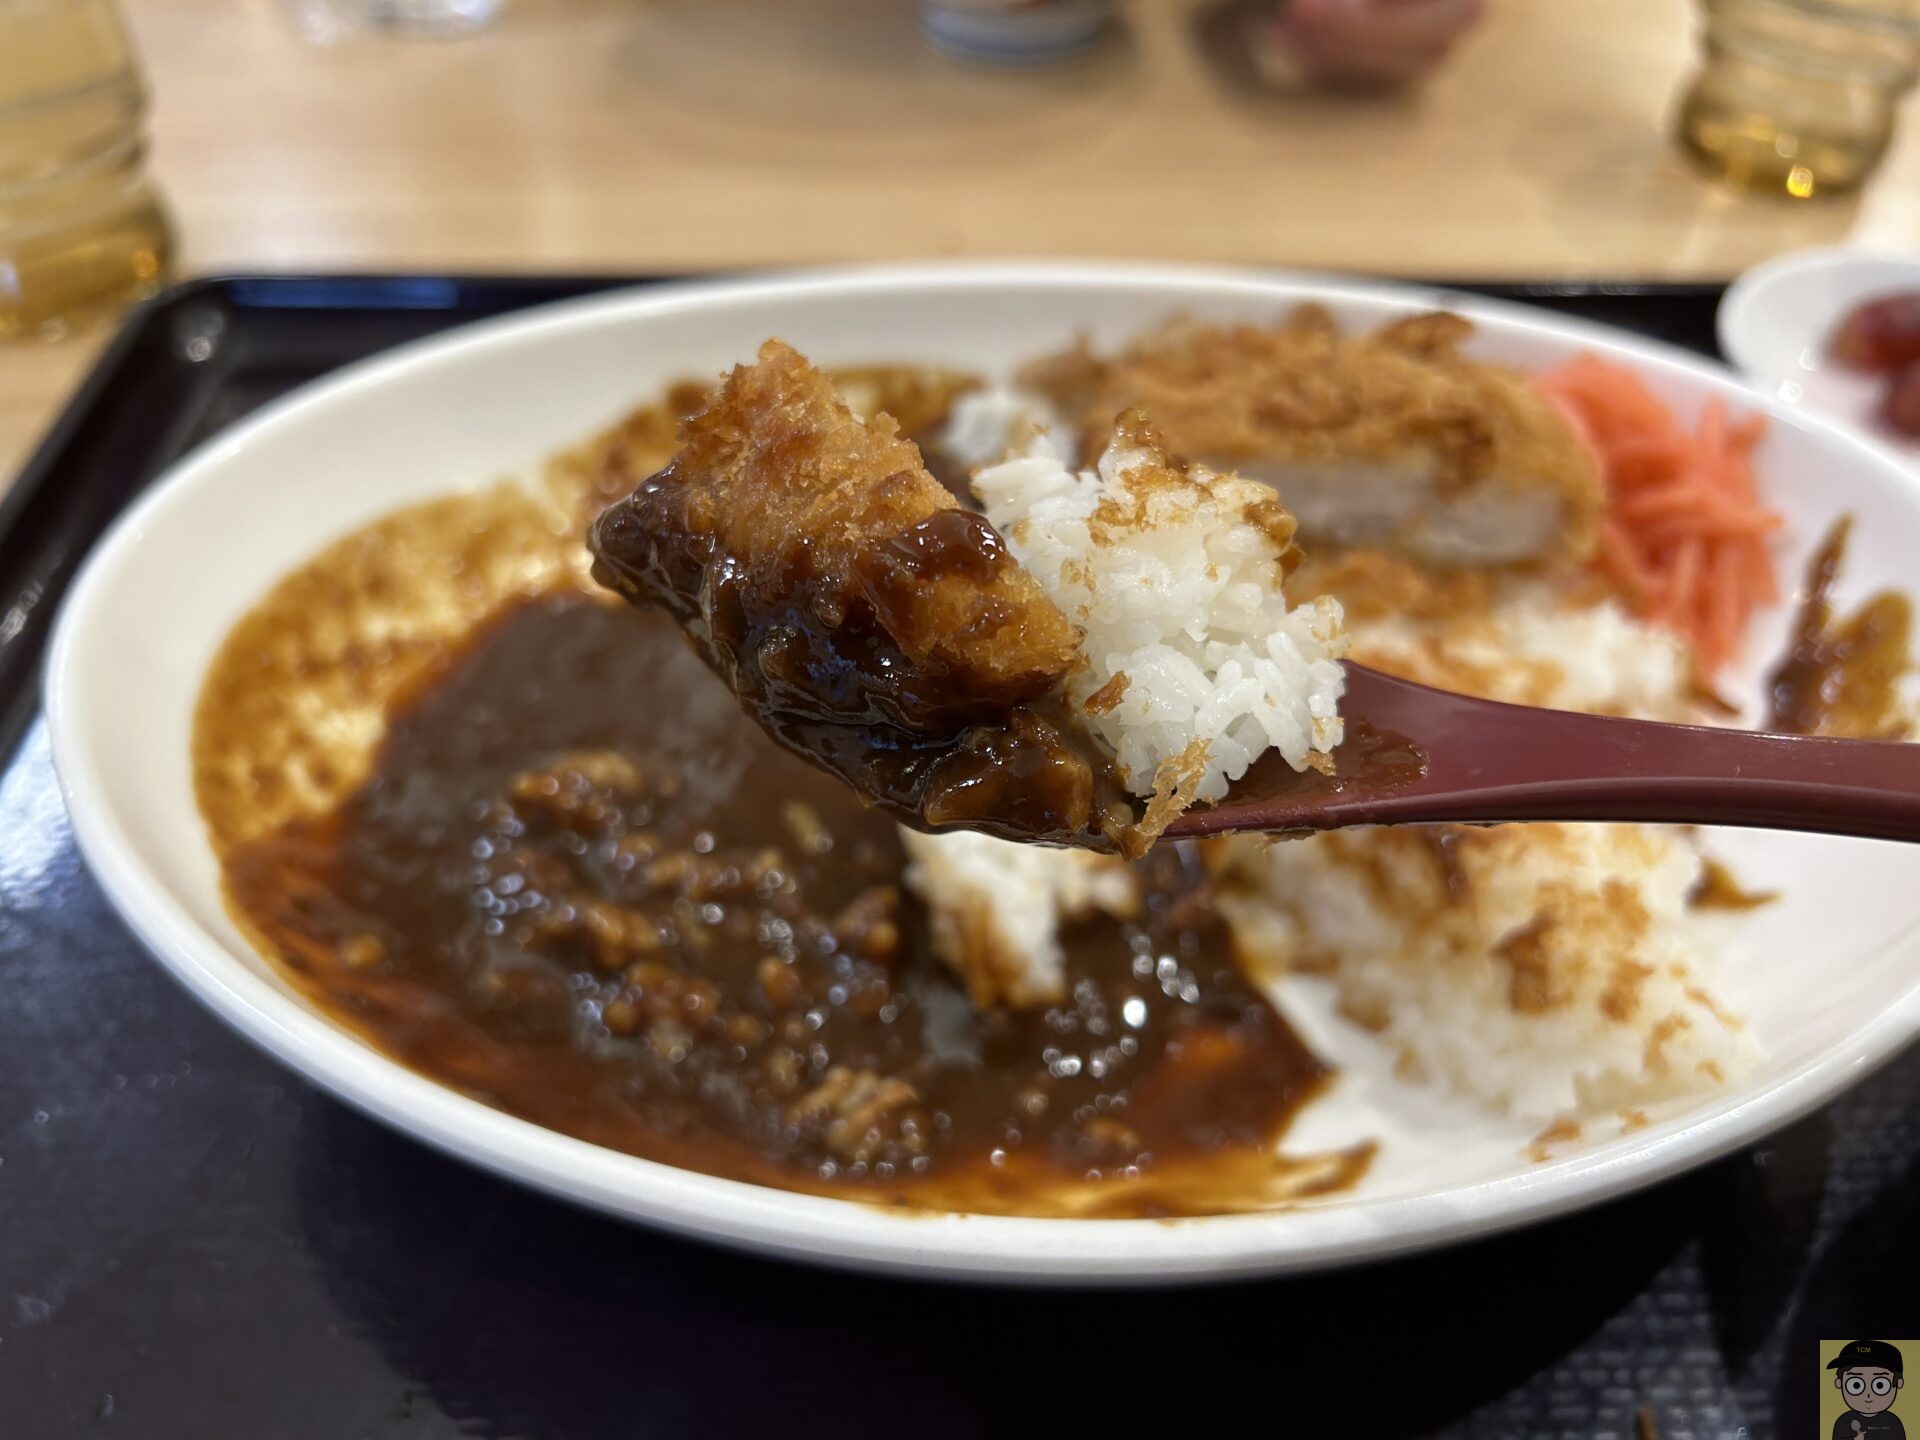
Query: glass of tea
{"points": [[81, 229], [1799, 96]]}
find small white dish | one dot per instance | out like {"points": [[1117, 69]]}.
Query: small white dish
{"points": [[1776, 321], [1009, 32], [1829, 976]]}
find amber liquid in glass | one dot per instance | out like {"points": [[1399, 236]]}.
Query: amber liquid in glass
{"points": [[81, 230], [1799, 96]]}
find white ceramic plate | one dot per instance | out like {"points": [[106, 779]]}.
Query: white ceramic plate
{"points": [[1830, 976], [1776, 321]]}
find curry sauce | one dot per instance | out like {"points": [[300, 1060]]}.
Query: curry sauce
{"points": [[1843, 675], [577, 884]]}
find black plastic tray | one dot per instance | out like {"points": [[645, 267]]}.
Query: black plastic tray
{"points": [[196, 1244]]}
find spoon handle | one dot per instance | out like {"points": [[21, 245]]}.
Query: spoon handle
{"points": [[1488, 762], [1551, 765]]}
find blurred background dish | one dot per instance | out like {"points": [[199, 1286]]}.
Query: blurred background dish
{"points": [[1355, 44], [1014, 32], [1779, 321], [329, 22]]}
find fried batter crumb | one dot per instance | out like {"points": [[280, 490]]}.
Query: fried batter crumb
{"points": [[1108, 695], [859, 614], [783, 498], [1404, 440]]}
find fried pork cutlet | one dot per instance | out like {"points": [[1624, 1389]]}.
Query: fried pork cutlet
{"points": [[866, 620], [1390, 439]]}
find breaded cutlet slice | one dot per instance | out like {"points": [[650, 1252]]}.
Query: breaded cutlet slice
{"points": [[861, 617], [787, 527], [1390, 439]]}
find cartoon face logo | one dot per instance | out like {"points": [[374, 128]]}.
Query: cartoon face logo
{"points": [[1869, 1389], [1868, 1376]]}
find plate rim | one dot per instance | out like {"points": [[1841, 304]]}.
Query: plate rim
{"points": [[993, 1249]]}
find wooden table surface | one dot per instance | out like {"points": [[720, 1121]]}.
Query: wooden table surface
{"points": [[651, 135]]}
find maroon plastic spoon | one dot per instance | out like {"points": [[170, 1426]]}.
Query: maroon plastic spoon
{"points": [[1486, 762]]}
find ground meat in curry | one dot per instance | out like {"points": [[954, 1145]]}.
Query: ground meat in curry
{"points": [[580, 886]]}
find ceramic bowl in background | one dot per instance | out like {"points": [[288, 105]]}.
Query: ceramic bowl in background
{"points": [[1777, 320]]}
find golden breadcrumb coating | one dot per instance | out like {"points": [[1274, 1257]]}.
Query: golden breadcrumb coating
{"points": [[861, 616], [1375, 584], [780, 478], [1159, 482], [1301, 393]]}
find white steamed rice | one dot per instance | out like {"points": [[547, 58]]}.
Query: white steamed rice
{"points": [[1559, 974], [1551, 972], [1531, 647], [986, 425], [995, 908], [1177, 588]]}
